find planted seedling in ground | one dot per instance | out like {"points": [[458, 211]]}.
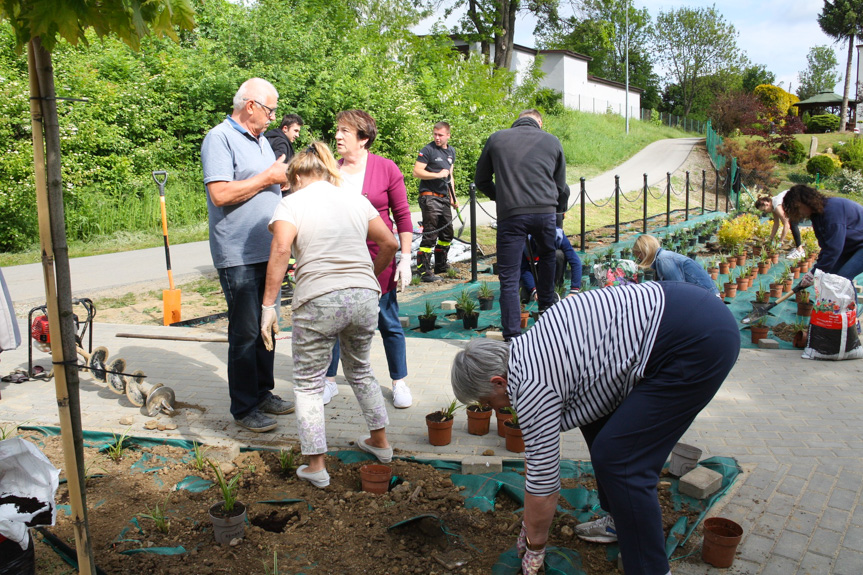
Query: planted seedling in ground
{"points": [[287, 461], [116, 450], [198, 451], [158, 515]]}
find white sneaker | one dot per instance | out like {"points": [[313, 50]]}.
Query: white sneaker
{"points": [[330, 390], [796, 253], [599, 531], [401, 394]]}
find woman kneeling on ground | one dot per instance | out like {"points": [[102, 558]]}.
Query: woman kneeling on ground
{"points": [[630, 366], [335, 297], [670, 266]]}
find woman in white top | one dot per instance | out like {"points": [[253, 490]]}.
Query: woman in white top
{"points": [[336, 297], [773, 205]]}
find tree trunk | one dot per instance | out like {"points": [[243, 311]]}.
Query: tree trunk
{"points": [[58, 287], [843, 113], [504, 37]]}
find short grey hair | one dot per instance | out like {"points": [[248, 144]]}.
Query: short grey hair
{"points": [[253, 89], [475, 365]]}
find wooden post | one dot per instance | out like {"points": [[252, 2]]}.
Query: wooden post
{"points": [[52, 237]]}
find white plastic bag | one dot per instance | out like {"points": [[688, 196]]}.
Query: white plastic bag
{"points": [[28, 483], [833, 324], [616, 272]]}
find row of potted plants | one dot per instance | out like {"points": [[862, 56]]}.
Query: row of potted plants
{"points": [[467, 309], [440, 424]]}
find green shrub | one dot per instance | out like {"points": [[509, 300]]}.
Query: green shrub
{"points": [[821, 165], [851, 153], [823, 123], [795, 152], [847, 182]]}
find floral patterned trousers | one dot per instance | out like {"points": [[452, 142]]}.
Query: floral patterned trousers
{"points": [[351, 316]]}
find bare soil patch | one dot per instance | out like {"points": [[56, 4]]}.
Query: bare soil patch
{"points": [[337, 530]]}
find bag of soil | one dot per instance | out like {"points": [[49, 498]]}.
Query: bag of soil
{"points": [[833, 324]]}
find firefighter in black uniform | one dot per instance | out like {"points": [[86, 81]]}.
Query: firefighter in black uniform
{"points": [[434, 167]]}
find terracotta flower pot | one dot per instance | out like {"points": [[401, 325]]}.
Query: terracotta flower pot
{"points": [[440, 432], [731, 291], [762, 268], [721, 538], [714, 273], [478, 422], [804, 309], [502, 417], [800, 338], [759, 332], [776, 290], [741, 259], [514, 439], [228, 526], [742, 283], [774, 258], [732, 262], [796, 272], [525, 315], [723, 268], [376, 478]]}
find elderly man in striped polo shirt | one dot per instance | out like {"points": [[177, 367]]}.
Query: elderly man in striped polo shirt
{"points": [[631, 367]]}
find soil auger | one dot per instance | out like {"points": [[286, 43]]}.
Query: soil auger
{"points": [[154, 397]]}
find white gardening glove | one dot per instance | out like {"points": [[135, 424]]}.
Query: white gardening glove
{"points": [[403, 272], [269, 325], [807, 280], [532, 561]]}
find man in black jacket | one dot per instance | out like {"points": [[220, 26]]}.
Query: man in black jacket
{"points": [[282, 138], [529, 187]]}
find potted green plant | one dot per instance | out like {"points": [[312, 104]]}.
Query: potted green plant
{"points": [[427, 319], [514, 439], [478, 418], [804, 306], [229, 515], [485, 296], [801, 334], [626, 253], [525, 315], [463, 297], [610, 254], [439, 424], [786, 280], [758, 329], [762, 295], [470, 317]]}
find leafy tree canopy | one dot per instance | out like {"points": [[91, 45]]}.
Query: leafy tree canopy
{"points": [[820, 74], [756, 75], [693, 44]]}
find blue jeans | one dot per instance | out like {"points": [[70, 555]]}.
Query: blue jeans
{"points": [[511, 236], [250, 365], [628, 447], [852, 267], [394, 339]]}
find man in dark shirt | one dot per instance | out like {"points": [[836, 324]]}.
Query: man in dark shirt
{"points": [[282, 138], [523, 170], [434, 169]]}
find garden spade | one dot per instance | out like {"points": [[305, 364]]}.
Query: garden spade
{"points": [[171, 296], [762, 311]]}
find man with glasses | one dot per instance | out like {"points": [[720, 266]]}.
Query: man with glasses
{"points": [[243, 179]]}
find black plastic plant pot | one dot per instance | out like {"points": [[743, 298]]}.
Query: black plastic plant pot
{"points": [[427, 324]]}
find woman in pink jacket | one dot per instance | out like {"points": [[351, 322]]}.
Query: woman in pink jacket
{"points": [[382, 183]]}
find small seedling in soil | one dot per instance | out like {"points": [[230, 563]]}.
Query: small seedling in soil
{"points": [[429, 311], [416, 280], [275, 570], [511, 411], [199, 451], [116, 450], [11, 430], [287, 461], [452, 273], [229, 488], [158, 516]]}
